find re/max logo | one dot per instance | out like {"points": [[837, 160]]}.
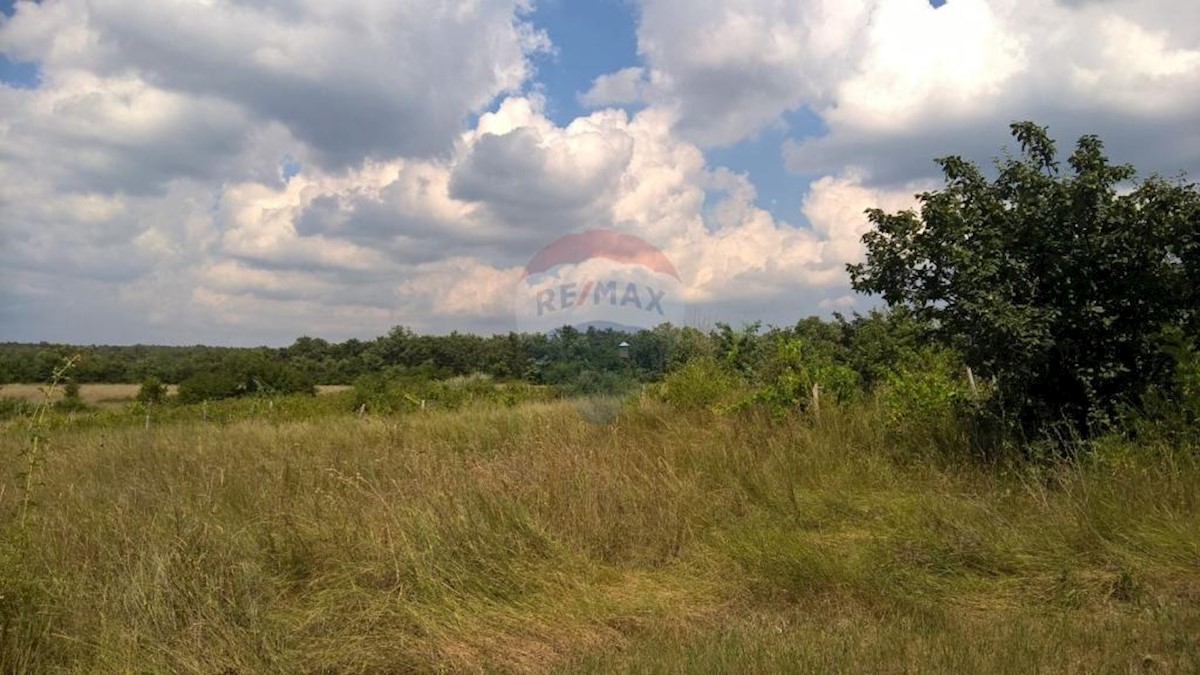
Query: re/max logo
{"points": [[568, 295]]}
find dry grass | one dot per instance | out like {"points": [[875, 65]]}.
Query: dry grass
{"points": [[92, 394], [537, 539], [110, 395]]}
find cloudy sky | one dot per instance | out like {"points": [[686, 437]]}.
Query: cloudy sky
{"points": [[245, 172]]}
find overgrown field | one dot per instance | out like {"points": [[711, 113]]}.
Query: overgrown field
{"points": [[594, 537]]}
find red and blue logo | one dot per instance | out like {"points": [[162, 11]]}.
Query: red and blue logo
{"points": [[600, 278]]}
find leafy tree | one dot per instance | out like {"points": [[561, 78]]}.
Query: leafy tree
{"points": [[152, 391], [738, 349], [689, 345], [1057, 281]]}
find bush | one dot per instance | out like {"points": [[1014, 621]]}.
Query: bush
{"points": [[788, 376], [209, 386], [1186, 374], [11, 406], [394, 391], [244, 376], [71, 400], [928, 391], [700, 384], [1173, 409], [152, 391], [876, 343]]}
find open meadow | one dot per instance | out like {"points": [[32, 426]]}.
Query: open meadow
{"points": [[571, 536], [105, 395]]}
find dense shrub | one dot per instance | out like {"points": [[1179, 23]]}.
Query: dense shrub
{"points": [[1173, 408], [929, 390], [788, 377], [1185, 383], [210, 386], [71, 400], [875, 344], [152, 391], [392, 392], [12, 406], [245, 376], [700, 384]]}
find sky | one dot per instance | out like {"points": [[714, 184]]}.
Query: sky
{"points": [[240, 172]]}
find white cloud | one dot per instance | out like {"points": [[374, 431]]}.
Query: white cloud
{"points": [[350, 79], [140, 191], [140, 187], [897, 81], [625, 86], [950, 83], [728, 70], [441, 242], [528, 173]]}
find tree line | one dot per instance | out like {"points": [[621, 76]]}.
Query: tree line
{"points": [[583, 360]]}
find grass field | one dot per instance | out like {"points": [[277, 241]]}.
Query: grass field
{"points": [[105, 395], [546, 538]]}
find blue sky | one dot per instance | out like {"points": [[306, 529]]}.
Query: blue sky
{"points": [[18, 74], [591, 39], [168, 174], [13, 72]]}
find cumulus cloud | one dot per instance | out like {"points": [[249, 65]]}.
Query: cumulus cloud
{"points": [[140, 181], [480, 223], [117, 134], [530, 174], [142, 196], [625, 86], [899, 81], [349, 79], [954, 86], [728, 70]]}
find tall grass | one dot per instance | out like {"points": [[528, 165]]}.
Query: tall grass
{"points": [[543, 538]]}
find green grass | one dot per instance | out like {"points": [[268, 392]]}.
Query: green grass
{"points": [[569, 537]]}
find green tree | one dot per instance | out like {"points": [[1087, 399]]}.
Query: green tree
{"points": [[210, 386], [880, 343], [152, 391], [1057, 281]]}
